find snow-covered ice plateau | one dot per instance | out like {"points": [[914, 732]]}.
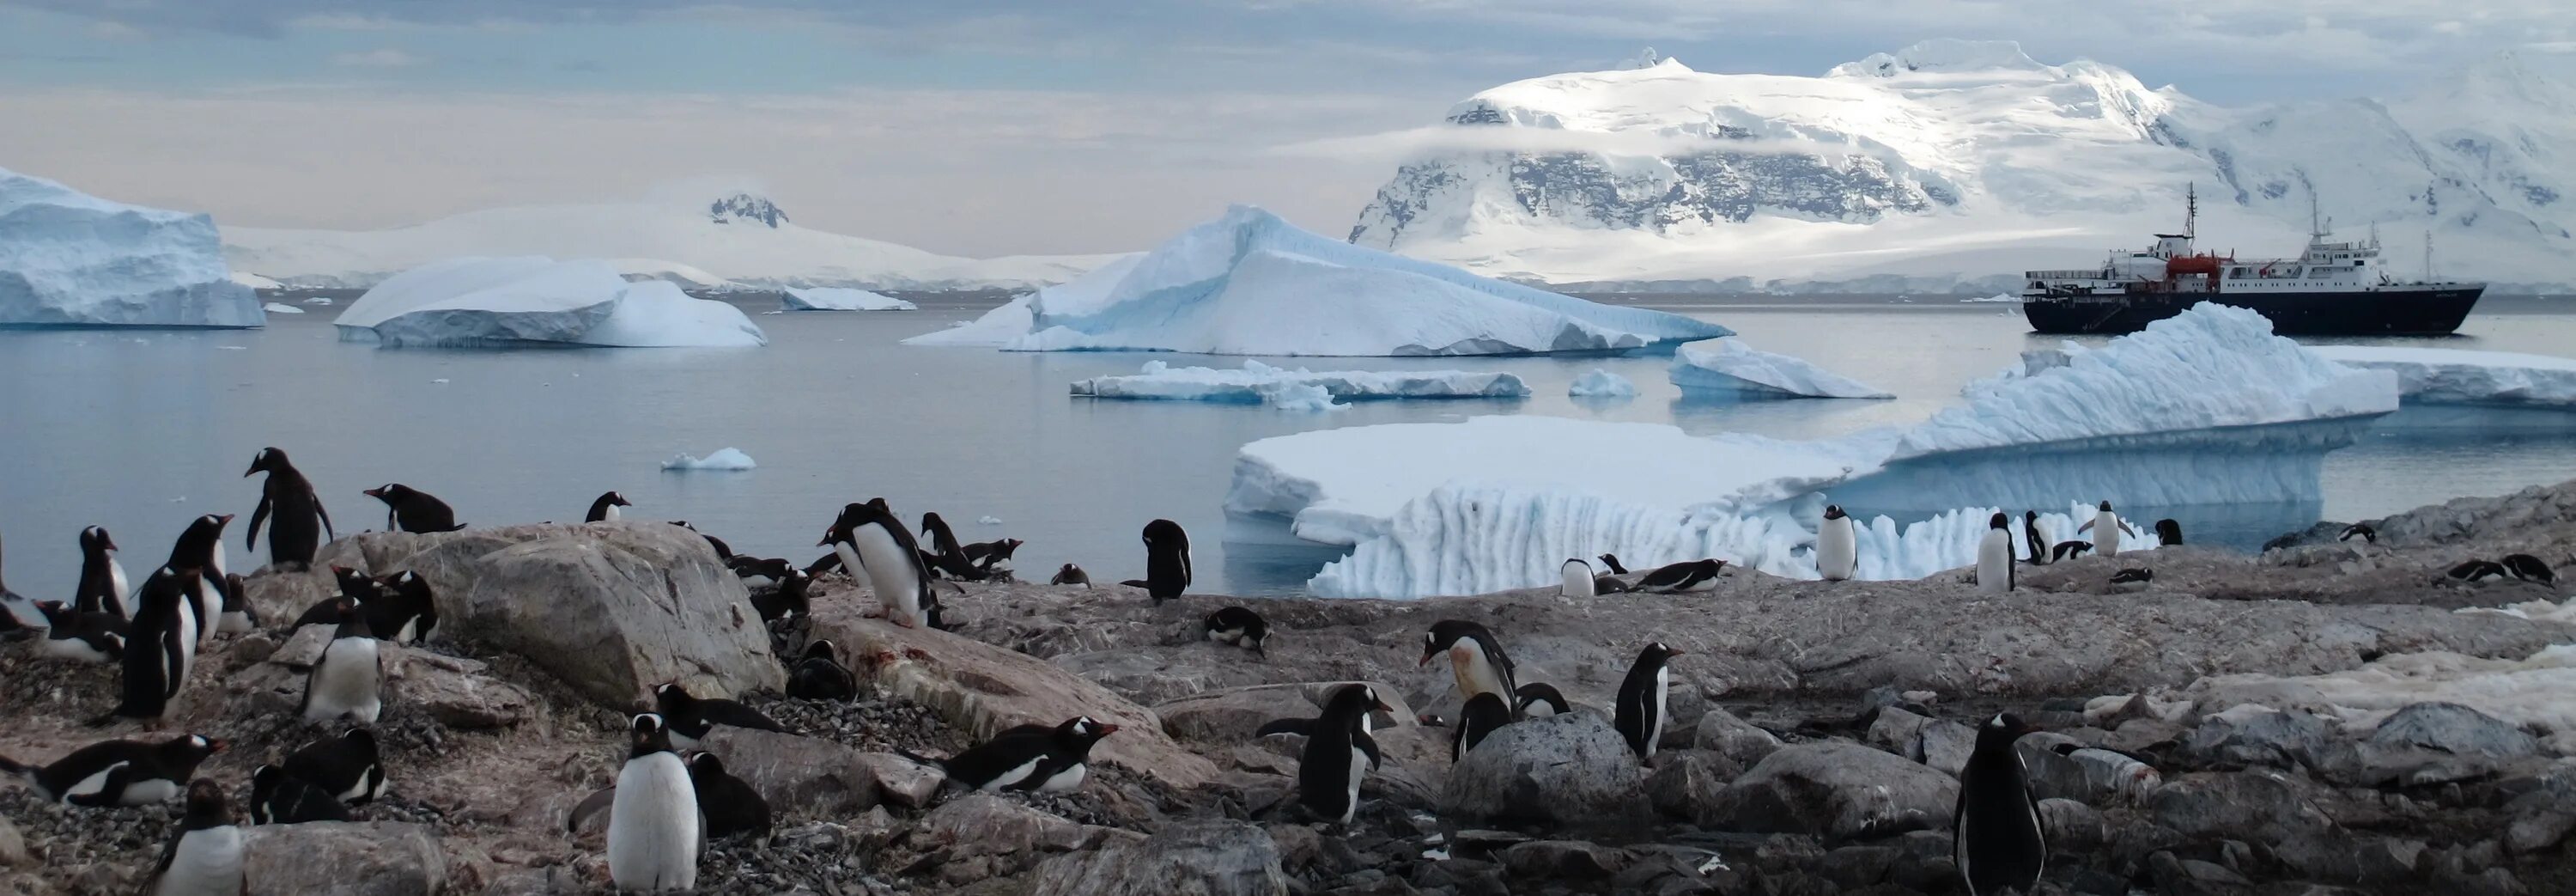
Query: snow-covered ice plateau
{"points": [[2461, 376]]}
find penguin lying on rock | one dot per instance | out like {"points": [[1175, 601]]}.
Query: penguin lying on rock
{"points": [[1046, 759], [688, 718]]}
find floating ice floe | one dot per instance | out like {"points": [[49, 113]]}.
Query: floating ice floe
{"points": [[318, 300], [988, 521], [71, 259], [1259, 383], [280, 308], [1301, 397], [1730, 366], [838, 298], [2460, 376], [1601, 384], [254, 281], [724, 459], [532, 299], [1249, 283]]}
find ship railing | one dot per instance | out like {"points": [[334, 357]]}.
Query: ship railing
{"points": [[2092, 274]]}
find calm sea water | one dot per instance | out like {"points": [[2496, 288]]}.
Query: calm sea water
{"points": [[142, 431]]}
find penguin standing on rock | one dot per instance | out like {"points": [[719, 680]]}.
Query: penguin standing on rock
{"points": [[406, 609], [688, 718], [1167, 560], [204, 857], [790, 599], [873, 544], [118, 772], [604, 510], [1995, 557], [160, 646], [1482, 716], [347, 682], [1837, 545], [1997, 839], [945, 554], [2034, 537], [1046, 759], [2168, 532], [102, 583], [988, 554], [345, 767], [1539, 700], [409, 509], [2106, 527], [1339, 754], [2528, 568], [2069, 550], [1612, 561], [1071, 575], [287, 502], [1578, 579], [819, 675], [2363, 531], [655, 826], [1640, 716], [2133, 579], [201, 548], [1475, 658], [1239, 626]]}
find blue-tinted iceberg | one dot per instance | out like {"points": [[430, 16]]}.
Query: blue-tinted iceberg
{"points": [[840, 298], [1249, 283], [1730, 366], [1601, 384], [2460, 376], [1257, 383], [538, 300], [71, 259]]}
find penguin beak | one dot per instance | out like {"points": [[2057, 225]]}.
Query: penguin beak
{"points": [[1674, 651], [1426, 658], [1382, 707], [1107, 729], [224, 518], [373, 493], [254, 468], [215, 745]]}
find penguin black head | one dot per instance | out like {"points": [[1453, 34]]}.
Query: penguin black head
{"points": [[267, 460], [702, 762], [1833, 511], [1446, 633], [1249, 628], [353, 624], [96, 538], [650, 735], [264, 780], [672, 698], [186, 750], [1165, 532], [2000, 732], [1354, 702], [1657, 653], [53, 611], [389, 492], [197, 543], [206, 806], [2106, 505], [1080, 732], [820, 649], [1999, 521], [615, 499]]}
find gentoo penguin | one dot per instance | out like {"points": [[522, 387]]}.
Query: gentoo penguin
{"points": [[354, 585], [298, 522], [654, 822], [2528, 568], [1167, 560], [731, 806], [160, 646], [280, 798], [789, 599], [81, 637], [2036, 538], [1837, 545], [201, 548], [689, 717], [2168, 532], [344, 767], [118, 772], [1640, 717], [819, 675], [723, 551], [1240, 627], [1996, 836], [2106, 527], [102, 583], [1578, 579], [987, 554], [872, 543], [409, 509], [347, 682], [407, 608], [1301, 727], [1071, 575], [237, 619], [1612, 561], [1475, 658], [1995, 557], [204, 857], [2069, 550], [1338, 754], [2477, 571], [1047, 759], [2363, 531], [1539, 700], [2133, 579], [945, 554], [1693, 575], [1482, 716], [758, 572], [604, 510]]}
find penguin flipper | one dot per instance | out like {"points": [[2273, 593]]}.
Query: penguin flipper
{"points": [[1298, 727], [1137, 583], [1368, 745], [257, 514], [326, 519], [169, 853], [2087, 527], [110, 790], [589, 806]]}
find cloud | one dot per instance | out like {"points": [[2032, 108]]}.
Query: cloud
{"points": [[380, 57]]}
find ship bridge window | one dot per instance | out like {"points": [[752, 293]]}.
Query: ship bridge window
{"points": [[2320, 274]]}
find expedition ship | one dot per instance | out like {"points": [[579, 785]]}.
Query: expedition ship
{"points": [[2333, 289]]}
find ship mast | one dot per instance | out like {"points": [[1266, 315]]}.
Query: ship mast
{"points": [[2191, 210]]}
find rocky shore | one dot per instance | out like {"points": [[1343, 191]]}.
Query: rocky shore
{"points": [[2326, 717]]}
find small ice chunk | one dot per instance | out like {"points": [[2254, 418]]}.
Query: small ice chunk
{"points": [[439, 380], [1602, 384], [281, 308], [726, 459], [1300, 397], [988, 521], [318, 300]]}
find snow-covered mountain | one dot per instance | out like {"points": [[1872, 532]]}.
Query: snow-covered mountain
{"points": [[1960, 163], [742, 238]]}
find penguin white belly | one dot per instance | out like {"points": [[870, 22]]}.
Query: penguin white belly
{"points": [[178, 678], [236, 622], [1359, 771], [1226, 635], [1655, 710], [346, 683], [653, 834], [1065, 781], [207, 863], [1539, 709], [116, 601], [91, 784], [146, 793], [73, 649], [1578, 581], [1837, 550], [1014, 776], [209, 610], [2106, 533], [409, 632], [1476, 674], [890, 573], [609, 513], [1994, 562]]}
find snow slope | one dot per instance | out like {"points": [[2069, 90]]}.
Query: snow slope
{"points": [[1956, 164], [71, 259], [532, 299], [1249, 283], [1257, 382], [2460, 376], [834, 298], [1729, 365], [742, 239]]}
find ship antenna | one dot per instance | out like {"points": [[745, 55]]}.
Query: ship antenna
{"points": [[2191, 210], [2428, 255], [2316, 225]]}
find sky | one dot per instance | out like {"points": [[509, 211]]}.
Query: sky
{"points": [[982, 127]]}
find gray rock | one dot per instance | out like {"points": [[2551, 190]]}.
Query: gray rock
{"points": [[798, 775], [454, 690], [1563, 858], [379, 858], [1741, 742], [983, 824], [2257, 807], [2252, 735], [1572, 769], [13, 845], [2535, 831], [1686, 780], [2454, 729], [1939, 743], [2072, 824], [1198, 858], [901, 781], [1835, 790]]}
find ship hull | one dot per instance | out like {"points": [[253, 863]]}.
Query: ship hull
{"points": [[2434, 311]]}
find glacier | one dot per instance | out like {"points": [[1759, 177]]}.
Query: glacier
{"points": [[2465, 377], [69, 259], [1729, 366], [835, 298], [1601, 383], [1258, 383], [1250, 283], [538, 300], [2205, 408]]}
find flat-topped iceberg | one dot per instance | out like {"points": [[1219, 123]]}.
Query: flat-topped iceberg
{"points": [[2460, 376], [1601, 384], [1730, 366], [1249, 283], [840, 298], [1258, 383], [722, 459], [533, 299], [69, 259]]}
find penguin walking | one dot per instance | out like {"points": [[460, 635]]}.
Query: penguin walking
{"points": [[1071, 575], [1167, 560], [604, 508], [1640, 716], [118, 772], [1997, 839], [102, 580], [81, 637], [1476, 659], [204, 856], [1240, 627], [945, 554], [409, 509], [347, 682], [2106, 527], [1995, 557], [280, 798], [1687, 576], [201, 548], [2364, 531], [287, 502], [2034, 537], [1539, 700], [1578, 579], [688, 718], [160, 646], [654, 822], [1042, 758], [819, 675], [2528, 568], [1837, 545], [731, 806], [1339, 754], [872, 543], [759, 572], [2168, 532], [1481, 716], [345, 767]]}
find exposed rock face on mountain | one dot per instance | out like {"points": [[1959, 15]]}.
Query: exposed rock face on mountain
{"points": [[746, 208]]}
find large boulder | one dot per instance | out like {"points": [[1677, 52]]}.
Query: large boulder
{"points": [[2454, 729], [2250, 735], [378, 858], [1572, 769], [1191, 858], [1834, 790], [611, 609], [806, 776]]}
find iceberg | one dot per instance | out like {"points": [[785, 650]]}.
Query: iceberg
{"points": [[538, 300], [839, 298], [254, 281], [1257, 383], [1601, 384], [280, 308], [723, 459], [1310, 397], [1250, 283], [2460, 376], [69, 259], [1729, 365]]}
